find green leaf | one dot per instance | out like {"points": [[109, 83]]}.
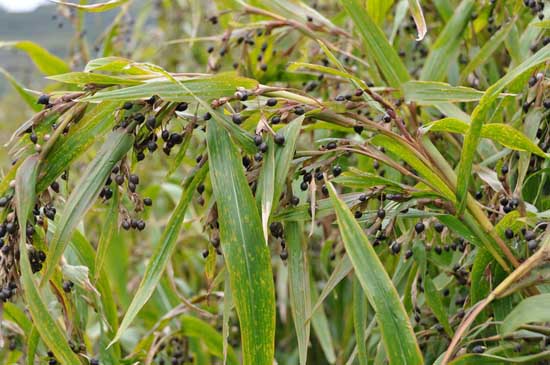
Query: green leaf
{"points": [[410, 156], [418, 16], [284, 156], [82, 78], [445, 47], [210, 87], [532, 309], [382, 295], [95, 8], [434, 301], [377, 9], [376, 43], [300, 293], [46, 62], [86, 192], [480, 114], [502, 133], [510, 137], [32, 345], [265, 190], [51, 334], [109, 229], [65, 151], [246, 255], [321, 328], [29, 98], [162, 252], [360, 321], [490, 359], [433, 92], [194, 327], [490, 47]]}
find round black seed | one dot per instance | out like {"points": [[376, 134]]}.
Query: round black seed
{"points": [[336, 170], [438, 250], [140, 118], [271, 102], [200, 188], [303, 186], [294, 200], [386, 118], [530, 235], [319, 175], [358, 129], [504, 170], [478, 349], [263, 147], [67, 286], [148, 201], [207, 116], [127, 105], [331, 145], [258, 157], [3, 201], [205, 253], [381, 213], [308, 177], [237, 118], [395, 248], [152, 146], [151, 122], [324, 190], [134, 179], [362, 197], [140, 225], [358, 214], [132, 187], [279, 139], [55, 186], [119, 179], [182, 107], [276, 119], [509, 233], [532, 245], [419, 227], [546, 103], [408, 254], [43, 99], [258, 139], [438, 227], [479, 195], [33, 137], [299, 110], [94, 362], [165, 135]]}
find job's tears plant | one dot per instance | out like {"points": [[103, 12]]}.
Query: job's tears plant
{"points": [[284, 182]]}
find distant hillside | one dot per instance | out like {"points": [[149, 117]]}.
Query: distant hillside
{"points": [[41, 26]]}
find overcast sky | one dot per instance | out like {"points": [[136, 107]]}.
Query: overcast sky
{"points": [[21, 5]]}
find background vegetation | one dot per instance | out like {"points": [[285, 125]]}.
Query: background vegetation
{"points": [[327, 182]]}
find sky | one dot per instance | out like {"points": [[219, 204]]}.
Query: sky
{"points": [[21, 5]]}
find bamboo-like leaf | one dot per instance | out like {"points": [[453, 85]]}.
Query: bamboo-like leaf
{"points": [[25, 95], [284, 155], [321, 328], [490, 359], [434, 301], [266, 185], [360, 321], [210, 87], [246, 254], [82, 78], [95, 8], [433, 92], [194, 327], [46, 62], [110, 227], [532, 309], [409, 156], [85, 193], [382, 295], [480, 114], [300, 293], [490, 47], [65, 151], [446, 45], [377, 9], [32, 345], [418, 16], [502, 133], [162, 253], [376, 43], [342, 269], [51, 334]]}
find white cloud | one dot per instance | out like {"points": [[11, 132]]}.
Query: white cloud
{"points": [[21, 5]]}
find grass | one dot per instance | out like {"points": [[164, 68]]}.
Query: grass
{"points": [[330, 183]]}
